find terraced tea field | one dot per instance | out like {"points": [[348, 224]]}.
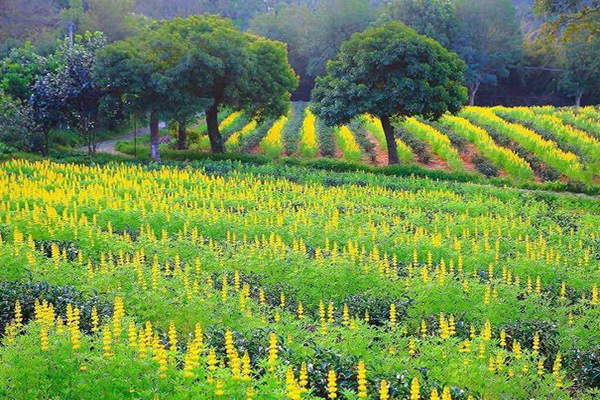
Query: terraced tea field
{"points": [[540, 144], [271, 282]]}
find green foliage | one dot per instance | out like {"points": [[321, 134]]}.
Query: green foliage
{"points": [[489, 41], [21, 69], [569, 17], [582, 68], [16, 126], [435, 18]]}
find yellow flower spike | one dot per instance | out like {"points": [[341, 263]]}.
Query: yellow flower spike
{"points": [[224, 289], [536, 343], [557, 364], [345, 316], [517, 349], [44, 337], [383, 390], [414, 389], [95, 319], [18, 320], [273, 351], [446, 394], [330, 313], [172, 337], [434, 394], [492, 364], [246, 367], [219, 388], [106, 341], [362, 380], [411, 347], [212, 363], [331, 385]]}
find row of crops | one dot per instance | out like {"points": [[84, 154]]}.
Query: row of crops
{"points": [[523, 144], [131, 281]]}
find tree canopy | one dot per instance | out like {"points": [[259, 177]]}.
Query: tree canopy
{"points": [[156, 72], [391, 72]]}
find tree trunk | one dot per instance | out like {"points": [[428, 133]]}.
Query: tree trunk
{"points": [[154, 151], [578, 100], [473, 92], [388, 128], [181, 135], [212, 124]]}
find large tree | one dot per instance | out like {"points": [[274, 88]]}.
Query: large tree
{"points": [[391, 72], [136, 72], [240, 71], [176, 69], [490, 41]]}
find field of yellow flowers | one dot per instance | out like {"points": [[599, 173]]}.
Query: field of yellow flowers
{"points": [[224, 281]]}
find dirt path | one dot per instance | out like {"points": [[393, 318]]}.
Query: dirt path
{"points": [[108, 146], [380, 157]]}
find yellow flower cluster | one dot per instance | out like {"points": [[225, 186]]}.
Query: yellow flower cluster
{"points": [[230, 119], [347, 144], [272, 143], [309, 146], [234, 141], [589, 145]]}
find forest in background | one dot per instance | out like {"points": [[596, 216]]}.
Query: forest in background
{"points": [[500, 41]]}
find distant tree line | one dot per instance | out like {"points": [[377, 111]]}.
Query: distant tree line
{"points": [[503, 42]]}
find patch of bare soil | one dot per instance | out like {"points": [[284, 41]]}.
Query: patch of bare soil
{"points": [[502, 173], [256, 149], [466, 155], [435, 162]]}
